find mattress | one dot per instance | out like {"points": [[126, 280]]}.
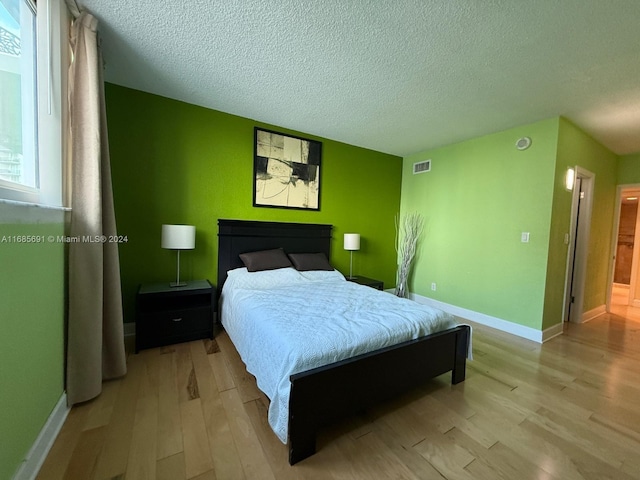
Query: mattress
{"points": [[284, 322]]}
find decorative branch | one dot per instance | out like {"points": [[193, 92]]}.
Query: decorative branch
{"points": [[408, 232]]}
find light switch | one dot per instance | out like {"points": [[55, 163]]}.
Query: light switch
{"points": [[525, 237]]}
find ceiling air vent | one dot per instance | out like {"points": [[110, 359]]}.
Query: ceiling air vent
{"points": [[422, 167]]}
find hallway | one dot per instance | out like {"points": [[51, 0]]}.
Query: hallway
{"points": [[619, 303]]}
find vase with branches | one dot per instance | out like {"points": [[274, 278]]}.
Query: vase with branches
{"points": [[408, 231]]}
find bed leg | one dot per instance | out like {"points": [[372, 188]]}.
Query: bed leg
{"points": [[462, 343], [301, 447]]}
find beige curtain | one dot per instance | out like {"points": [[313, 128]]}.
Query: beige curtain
{"points": [[95, 348]]}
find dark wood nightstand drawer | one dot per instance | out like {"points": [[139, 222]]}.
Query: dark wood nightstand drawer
{"points": [[180, 322]]}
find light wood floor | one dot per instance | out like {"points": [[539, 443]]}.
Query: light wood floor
{"points": [[568, 409]]}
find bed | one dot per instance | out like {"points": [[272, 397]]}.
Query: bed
{"points": [[310, 398]]}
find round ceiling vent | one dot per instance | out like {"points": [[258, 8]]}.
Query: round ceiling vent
{"points": [[523, 143]]}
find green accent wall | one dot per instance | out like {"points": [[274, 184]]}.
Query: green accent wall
{"points": [[32, 340], [481, 195], [577, 148], [629, 169], [558, 250], [478, 198], [174, 162]]}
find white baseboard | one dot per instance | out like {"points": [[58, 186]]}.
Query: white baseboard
{"points": [[553, 331], [129, 329], [493, 322], [40, 448], [130, 336], [593, 313]]}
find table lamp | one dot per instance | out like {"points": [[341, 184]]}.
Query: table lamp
{"points": [[351, 243], [178, 237]]}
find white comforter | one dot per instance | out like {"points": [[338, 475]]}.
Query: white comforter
{"points": [[284, 322]]}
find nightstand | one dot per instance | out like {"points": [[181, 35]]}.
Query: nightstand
{"points": [[369, 282], [166, 315]]}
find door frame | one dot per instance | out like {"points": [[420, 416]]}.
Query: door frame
{"points": [[633, 284], [579, 233], [614, 244]]}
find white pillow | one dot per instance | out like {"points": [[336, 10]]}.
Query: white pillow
{"points": [[323, 276], [265, 279]]}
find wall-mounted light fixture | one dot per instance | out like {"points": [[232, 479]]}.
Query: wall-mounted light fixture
{"points": [[570, 178]]}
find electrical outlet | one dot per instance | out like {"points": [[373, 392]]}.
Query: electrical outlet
{"points": [[433, 286]]}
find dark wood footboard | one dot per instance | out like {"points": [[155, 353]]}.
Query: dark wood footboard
{"points": [[324, 394]]}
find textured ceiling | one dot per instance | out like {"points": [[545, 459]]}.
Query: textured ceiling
{"points": [[395, 76]]}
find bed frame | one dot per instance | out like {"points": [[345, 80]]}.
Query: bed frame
{"points": [[323, 394]]}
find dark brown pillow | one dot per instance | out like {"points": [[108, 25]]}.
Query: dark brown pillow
{"points": [[265, 260], [310, 261]]}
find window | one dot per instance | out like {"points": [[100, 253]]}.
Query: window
{"points": [[18, 115], [31, 86]]}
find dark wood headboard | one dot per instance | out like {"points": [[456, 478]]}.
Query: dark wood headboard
{"points": [[241, 236]]}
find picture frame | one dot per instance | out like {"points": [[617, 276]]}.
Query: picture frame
{"points": [[286, 171]]}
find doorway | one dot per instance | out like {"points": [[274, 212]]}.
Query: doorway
{"points": [[578, 240], [625, 288]]}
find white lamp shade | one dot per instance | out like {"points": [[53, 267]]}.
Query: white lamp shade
{"points": [[352, 241], [178, 237]]}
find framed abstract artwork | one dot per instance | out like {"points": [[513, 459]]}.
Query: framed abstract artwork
{"points": [[286, 171]]}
